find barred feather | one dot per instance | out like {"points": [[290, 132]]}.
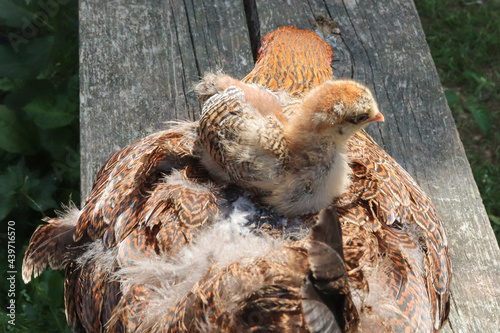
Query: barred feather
{"points": [[51, 244]]}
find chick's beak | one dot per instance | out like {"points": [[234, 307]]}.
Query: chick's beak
{"points": [[378, 117]]}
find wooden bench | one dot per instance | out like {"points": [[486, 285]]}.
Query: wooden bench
{"points": [[139, 61]]}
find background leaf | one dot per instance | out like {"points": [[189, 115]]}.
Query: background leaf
{"points": [[13, 136], [7, 84], [451, 97], [483, 119], [28, 60], [49, 113], [15, 13]]}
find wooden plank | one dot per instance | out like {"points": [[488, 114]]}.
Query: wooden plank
{"points": [[384, 45], [139, 62]]}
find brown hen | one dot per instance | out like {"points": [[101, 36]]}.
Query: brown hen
{"points": [[160, 246]]}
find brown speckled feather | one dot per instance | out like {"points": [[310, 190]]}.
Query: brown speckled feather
{"points": [[396, 211], [52, 244], [122, 185], [292, 60]]}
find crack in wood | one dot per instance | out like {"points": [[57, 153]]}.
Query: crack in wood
{"points": [[452, 299], [253, 24], [191, 37], [183, 77]]}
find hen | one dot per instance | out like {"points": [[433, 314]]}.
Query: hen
{"points": [[158, 242]]}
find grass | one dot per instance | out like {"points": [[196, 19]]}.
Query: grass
{"points": [[464, 37]]}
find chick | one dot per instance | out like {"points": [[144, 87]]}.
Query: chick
{"points": [[290, 152]]}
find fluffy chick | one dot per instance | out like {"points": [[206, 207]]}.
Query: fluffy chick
{"points": [[290, 152]]}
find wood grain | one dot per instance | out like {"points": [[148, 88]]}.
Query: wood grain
{"points": [[139, 60]]}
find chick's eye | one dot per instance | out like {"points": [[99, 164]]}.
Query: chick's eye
{"points": [[358, 119]]}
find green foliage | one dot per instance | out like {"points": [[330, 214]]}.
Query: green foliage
{"points": [[39, 133], [12, 138], [18, 185], [463, 38]]}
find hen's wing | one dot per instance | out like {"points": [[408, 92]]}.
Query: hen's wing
{"points": [[386, 202], [146, 201], [124, 183]]}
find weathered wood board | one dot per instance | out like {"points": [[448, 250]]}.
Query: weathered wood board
{"points": [[139, 61]]}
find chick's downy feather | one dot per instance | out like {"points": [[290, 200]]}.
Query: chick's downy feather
{"points": [[289, 151]]}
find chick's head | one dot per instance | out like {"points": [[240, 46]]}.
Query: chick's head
{"points": [[340, 107]]}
